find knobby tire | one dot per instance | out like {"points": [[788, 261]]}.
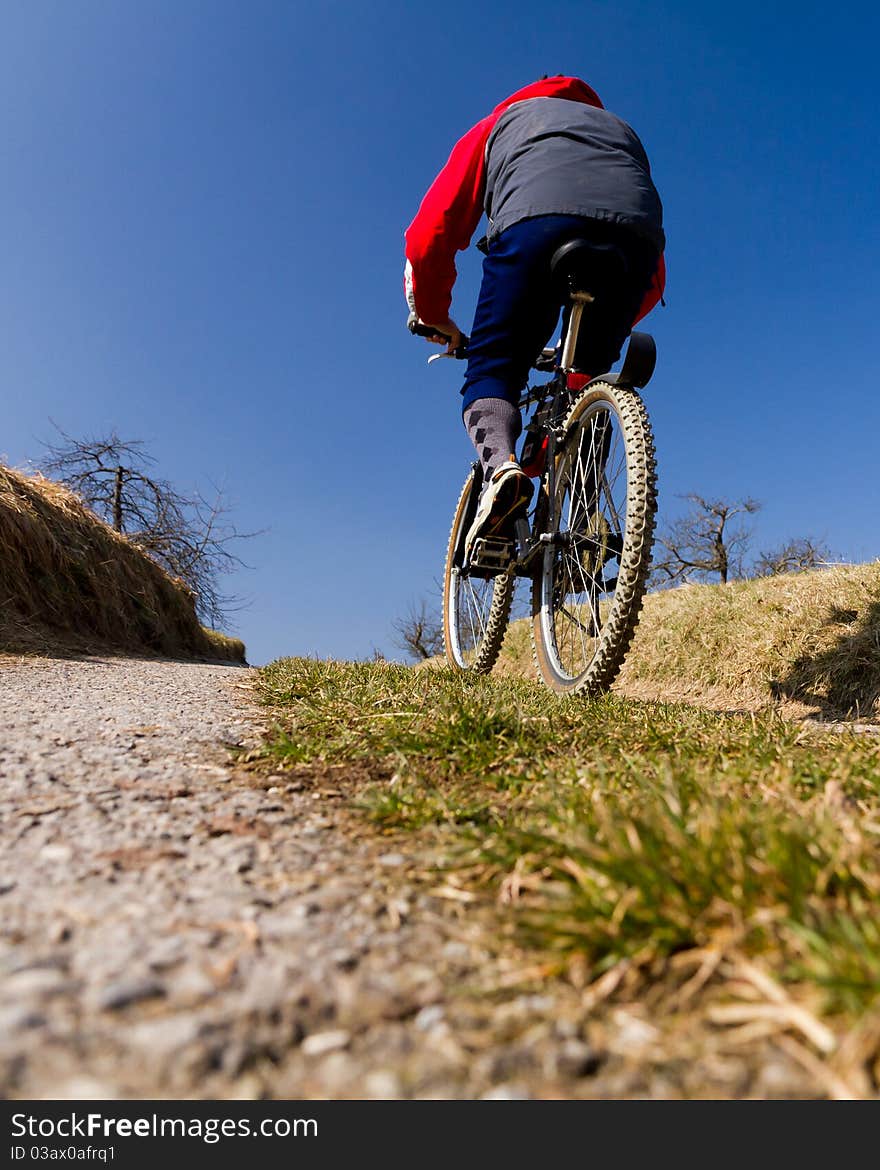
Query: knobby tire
{"points": [[459, 606], [618, 626]]}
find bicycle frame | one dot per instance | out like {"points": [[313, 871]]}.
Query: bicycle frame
{"points": [[638, 366], [529, 543]]}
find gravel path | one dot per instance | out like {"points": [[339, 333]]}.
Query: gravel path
{"points": [[174, 926]]}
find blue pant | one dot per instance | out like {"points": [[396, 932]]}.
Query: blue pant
{"points": [[517, 309]]}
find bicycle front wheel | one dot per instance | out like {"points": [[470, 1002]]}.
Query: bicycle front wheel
{"points": [[588, 589], [475, 606]]}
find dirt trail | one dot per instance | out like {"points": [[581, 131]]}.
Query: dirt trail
{"points": [[175, 926]]}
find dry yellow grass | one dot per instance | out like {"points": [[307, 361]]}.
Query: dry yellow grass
{"points": [[68, 582], [803, 643]]}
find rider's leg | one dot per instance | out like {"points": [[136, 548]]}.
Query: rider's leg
{"points": [[493, 425], [516, 310], [515, 316]]}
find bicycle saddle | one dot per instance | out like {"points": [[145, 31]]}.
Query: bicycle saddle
{"points": [[584, 266]]}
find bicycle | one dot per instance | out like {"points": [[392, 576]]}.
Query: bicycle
{"points": [[586, 543]]}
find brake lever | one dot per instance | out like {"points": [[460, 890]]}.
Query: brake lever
{"points": [[459, 353], [414, 325]]}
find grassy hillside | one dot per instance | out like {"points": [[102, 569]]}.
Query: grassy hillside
{"points": [[803, 642], [69, 582]]}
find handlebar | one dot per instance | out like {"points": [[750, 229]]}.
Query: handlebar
{"points": [[419, 329], [545, 362]]}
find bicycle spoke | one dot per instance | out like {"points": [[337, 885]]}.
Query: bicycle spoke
{"points": [[473, 616], [597, 624], [474, 606], [618, 524], [586, 590], [582, 629]]}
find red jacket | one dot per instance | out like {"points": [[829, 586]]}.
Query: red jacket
{"points": [[453, 206]]}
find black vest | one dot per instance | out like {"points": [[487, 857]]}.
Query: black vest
{"points": [[553, 156]]}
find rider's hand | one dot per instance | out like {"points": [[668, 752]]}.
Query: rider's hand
{"points": [[445, 329]]}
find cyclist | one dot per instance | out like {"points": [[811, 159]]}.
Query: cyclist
{"points": [[549, 164]]}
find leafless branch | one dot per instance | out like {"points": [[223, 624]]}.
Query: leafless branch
{"points": [[419, 633], [706, 542], [190, 536], [792, 557]]}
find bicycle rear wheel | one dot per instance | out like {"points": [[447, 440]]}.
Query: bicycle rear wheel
{"points": [[475, 607], [588, 588]]}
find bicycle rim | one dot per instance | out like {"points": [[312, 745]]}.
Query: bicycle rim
{"points": [[475, 609], [588, 589]]}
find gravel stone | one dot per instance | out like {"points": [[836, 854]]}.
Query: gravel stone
{"points": [[320, 1043], [121, 995], [391, 859], [429, 1017], [36, 983], [573, 1058]]}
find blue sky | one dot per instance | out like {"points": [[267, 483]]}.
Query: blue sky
{"points": [[203, 209]]}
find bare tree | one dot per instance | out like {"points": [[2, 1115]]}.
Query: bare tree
{"points": [[792, 557], [709, 541], [419, 632], [188, 535]]}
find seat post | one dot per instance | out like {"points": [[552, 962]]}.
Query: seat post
{"points": [[578, 300]]}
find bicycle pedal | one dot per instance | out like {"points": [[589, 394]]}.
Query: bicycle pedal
{"points": [[491, 554]]}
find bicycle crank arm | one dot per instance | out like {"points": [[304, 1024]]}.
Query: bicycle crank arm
{"points": [[532, 547], [526, 546]]}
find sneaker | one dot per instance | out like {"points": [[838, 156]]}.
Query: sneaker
{"points": [[505, 497]]}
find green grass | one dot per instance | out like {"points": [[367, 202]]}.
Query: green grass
{"points": [[615, 831]]}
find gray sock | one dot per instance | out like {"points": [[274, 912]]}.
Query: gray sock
{"points": [[494, 425]]}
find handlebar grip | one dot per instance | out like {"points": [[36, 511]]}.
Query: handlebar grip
{"points": [[415, 326]]}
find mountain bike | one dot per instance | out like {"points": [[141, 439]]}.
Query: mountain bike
{"points": [[586, 543]]}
